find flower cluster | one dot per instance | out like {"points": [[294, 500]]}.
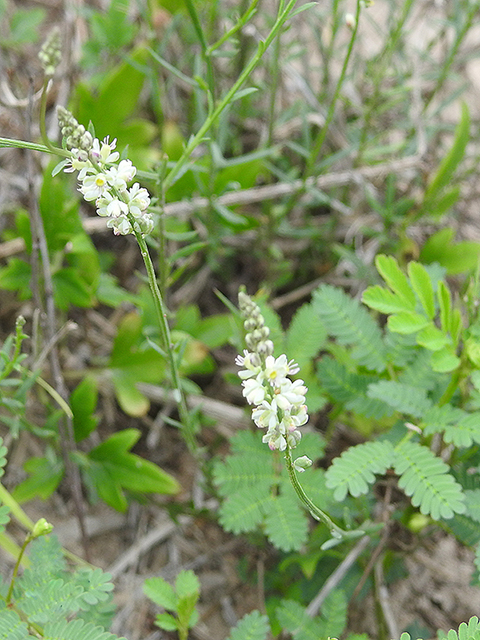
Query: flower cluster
{"points": [[278, 402], [104, 178], [51, 53]]}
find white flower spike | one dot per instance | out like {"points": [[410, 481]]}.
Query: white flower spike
{"points": [[105, 180]]}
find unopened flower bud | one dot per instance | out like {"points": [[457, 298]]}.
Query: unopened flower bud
{"points": [[302, 463], [350, 20], [50, 53], [41, 528]]}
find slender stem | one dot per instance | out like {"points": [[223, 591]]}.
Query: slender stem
{"points": [[33, 146], [203, 43], [166, 343], [225, 101], [28, 538], [317, 513], [317, 147], [42, 117]]}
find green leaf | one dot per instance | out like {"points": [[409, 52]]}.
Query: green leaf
{"points": [[45, 476], [242, 471], [425, 479], [160, 592], [355, 469], [105, 109], [388, 268], [385, 301], [432, 338], [305, 336], [253, 626], [130, 365], [334, 613], [472, 501], [422, 285], [12, 627], [187, 584], [117, 443], [293, 618], [456, 257], [407, 322], [401, 397], [166, 621], [349, 322], [350, 389], [71, 289], [83, 402], [75, 629], [25, 25], [285, 523], [451, 160], [242, 512], [445, 304], [445, 360], [16, 276]]}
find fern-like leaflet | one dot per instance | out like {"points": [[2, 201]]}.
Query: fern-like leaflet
{"points": [[350, 323], [355, 469], [425, 478]]}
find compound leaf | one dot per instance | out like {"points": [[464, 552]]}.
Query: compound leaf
{"points": [[285, 524], [253, 626], [401, 397], [425, 479], [388, 268], [351, 325], [355, 469], [242, 511]]}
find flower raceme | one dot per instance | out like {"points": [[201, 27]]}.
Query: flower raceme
{"points": [[104, 179], [278, 402]]}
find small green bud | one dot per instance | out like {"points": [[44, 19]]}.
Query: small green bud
{"points": [[41, 528], [51, 52], [302, 463]]}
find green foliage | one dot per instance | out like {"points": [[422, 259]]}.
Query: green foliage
{"points": [[15, 382], [355, 469], [168, 97], [466, 631], [253, 626], [458, 257], [111, 30], [331, 621], [350, 324], [179, 600], [110, 468], [258, 493], [50, 598], [412, 309], [440, 195]]}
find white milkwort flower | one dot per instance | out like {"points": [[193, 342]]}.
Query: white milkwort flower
{"points": [[278, 401], [105, 179]]}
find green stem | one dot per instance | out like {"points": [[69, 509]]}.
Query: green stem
{"points": [[317, 147], [28, 539], [33, 146], [225, 101], [7, 499], [42, 117], [166, 342], [317, 513], [203, 44]]}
